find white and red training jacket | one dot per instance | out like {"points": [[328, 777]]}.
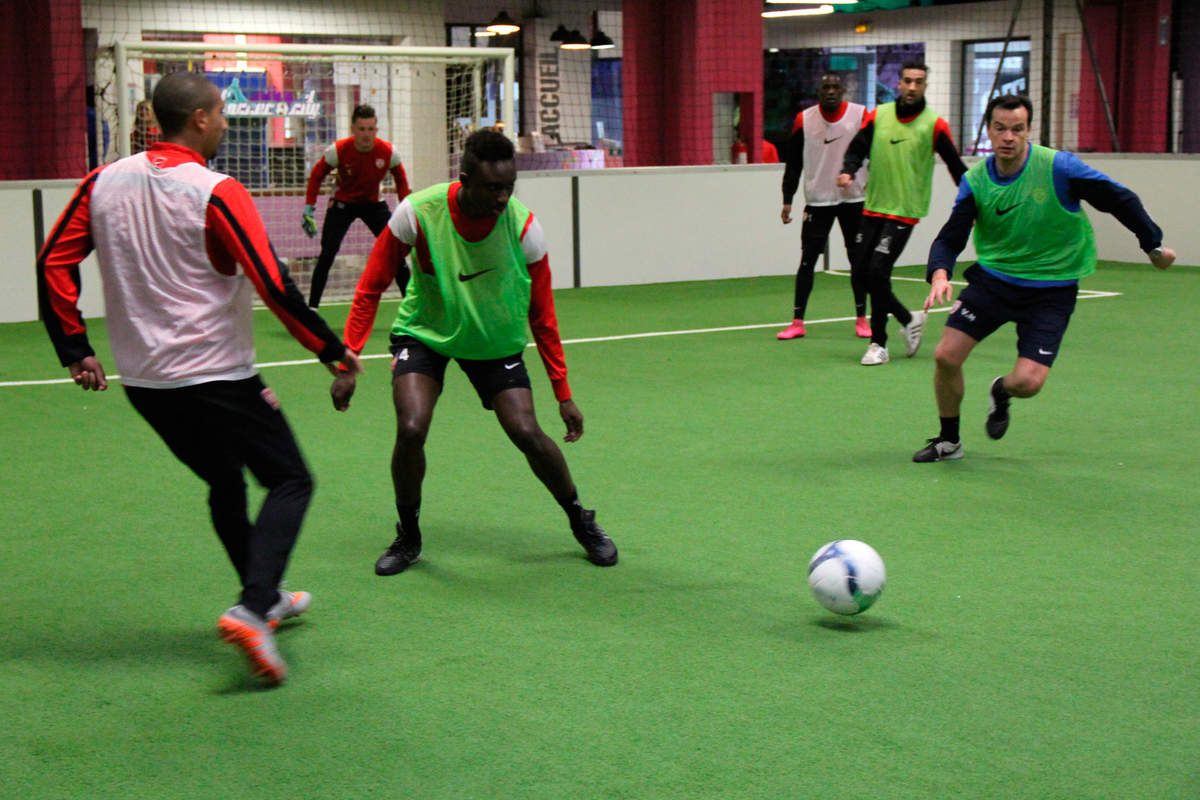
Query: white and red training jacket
{"points": [[169, 234]]}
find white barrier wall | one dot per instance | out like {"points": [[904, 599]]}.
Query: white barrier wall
{"points": [[706, 223], [667, 224]]}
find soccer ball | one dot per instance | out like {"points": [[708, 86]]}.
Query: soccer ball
{"points": [[846, 576]]}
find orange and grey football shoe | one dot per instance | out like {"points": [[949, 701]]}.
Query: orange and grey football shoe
{"points": [[289, 604], [242, 627]]}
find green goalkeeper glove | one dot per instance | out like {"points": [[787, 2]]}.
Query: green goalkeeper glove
{"points": [[307, 222]]}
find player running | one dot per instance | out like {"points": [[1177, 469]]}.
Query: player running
{"points": [[1034, 243]]}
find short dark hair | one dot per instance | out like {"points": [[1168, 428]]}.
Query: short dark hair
{"points": [[914, 64], [362, 111], [485, 145], [177, 95], [1009, 102]]}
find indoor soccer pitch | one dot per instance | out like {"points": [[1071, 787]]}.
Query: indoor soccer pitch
{"points": [[1038, 637]]}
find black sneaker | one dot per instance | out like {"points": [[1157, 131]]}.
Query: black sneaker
{"points": [[600, 549], [401, 555], [938, 449], [997, 418]]}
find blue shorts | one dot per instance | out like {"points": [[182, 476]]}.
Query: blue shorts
{"points": [[1041, 314], [489, 376]]}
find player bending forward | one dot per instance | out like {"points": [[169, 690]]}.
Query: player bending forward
{"points": [[480, 275], [1034, 243]]}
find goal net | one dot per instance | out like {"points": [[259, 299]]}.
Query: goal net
{"points": [[286, 103]]}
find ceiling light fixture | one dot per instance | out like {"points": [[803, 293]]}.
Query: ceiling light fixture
{"points": [[799, 12], [503, 25], [602, 41], [575, 41]]}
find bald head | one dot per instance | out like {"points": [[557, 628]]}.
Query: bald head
{"points": [[178, 95]]}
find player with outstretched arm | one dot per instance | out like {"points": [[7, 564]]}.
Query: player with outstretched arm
{"points": [[1034, 243]]}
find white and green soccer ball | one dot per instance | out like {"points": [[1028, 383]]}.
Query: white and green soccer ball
{"points": [[846, 576]]}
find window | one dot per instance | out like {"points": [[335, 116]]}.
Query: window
{"points": [[459, 79], [981, 61]]}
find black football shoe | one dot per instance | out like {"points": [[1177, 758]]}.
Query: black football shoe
{"points": [[938, 449], [401, 555], [998, 402], [600, 549]]}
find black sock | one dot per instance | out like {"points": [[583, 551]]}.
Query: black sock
{"points": [[410, 518], [999, 392], [949, 428], [574, 509]]}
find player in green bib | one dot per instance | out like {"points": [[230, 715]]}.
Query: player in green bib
{"points": [[480, 282], [1033, 242], [901, 139]]}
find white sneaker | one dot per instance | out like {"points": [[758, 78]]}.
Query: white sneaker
{"points": [[912, 333], [876, 354]]}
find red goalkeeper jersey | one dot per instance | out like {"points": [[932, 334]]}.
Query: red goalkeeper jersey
{"points": [[358, 174]]}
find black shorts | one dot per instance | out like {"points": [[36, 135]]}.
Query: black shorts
{"points": [[1041, 314], [488, 376]]}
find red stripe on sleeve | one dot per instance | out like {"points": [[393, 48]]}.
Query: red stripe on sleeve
{"points": [[544, 323], [234, 227], [941, 128], [69, 243]]}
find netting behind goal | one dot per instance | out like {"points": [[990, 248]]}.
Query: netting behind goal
{"points": [[286, 103]]}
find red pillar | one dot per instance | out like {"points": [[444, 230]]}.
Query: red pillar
{"points": [[1146, 83], [677, 54], [1133, 52], [44, 122]]}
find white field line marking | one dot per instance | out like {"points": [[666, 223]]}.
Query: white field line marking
{"points": [[1084, 294]]}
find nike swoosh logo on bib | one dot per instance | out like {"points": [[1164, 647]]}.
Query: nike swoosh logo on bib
{"points": [[464, 277], [834, 139], [1000, 212], [897, 141]]}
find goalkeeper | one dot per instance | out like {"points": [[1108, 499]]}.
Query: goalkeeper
{"points": [[362, 161]]}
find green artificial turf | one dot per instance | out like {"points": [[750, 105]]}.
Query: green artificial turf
{"points": [[1038, 636]]}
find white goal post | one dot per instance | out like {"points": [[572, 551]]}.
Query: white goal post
{"points": [[287, 102]]}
